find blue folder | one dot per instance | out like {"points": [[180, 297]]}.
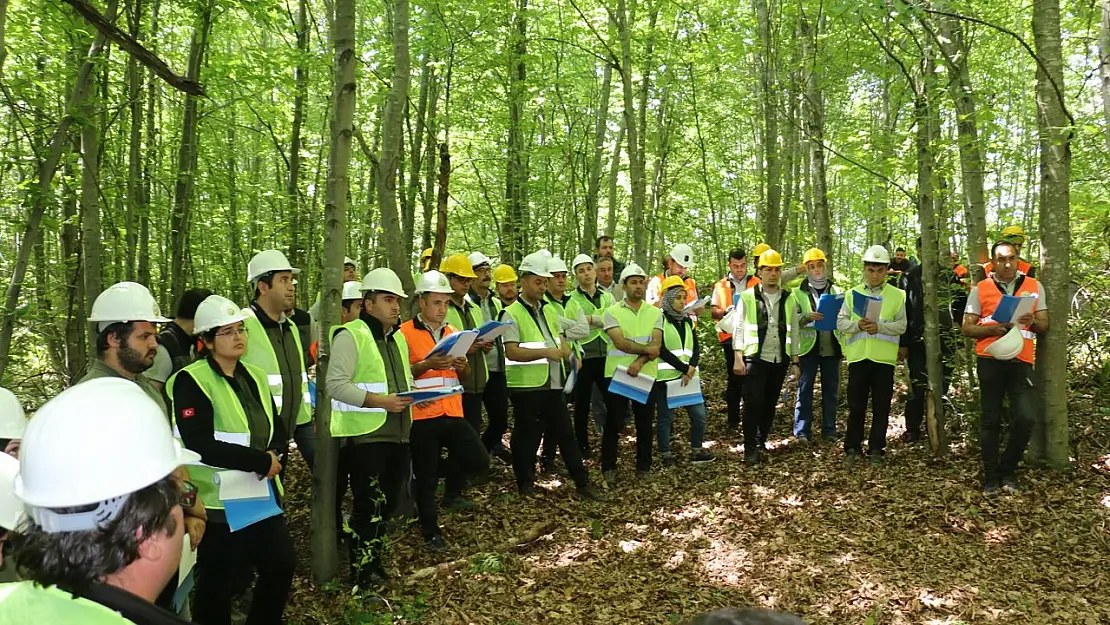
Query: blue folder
{"points": [[1004, 313], [241, 513], [829, 306], [490, 326], [860, 302], [181, 595], [630, 392], [681, 401]]}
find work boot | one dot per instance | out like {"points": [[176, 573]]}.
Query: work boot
{"points": [[990, 487], [1010, 485], [702, 456], [435, 542], [504, 455], [589, 492], [667, 459]]}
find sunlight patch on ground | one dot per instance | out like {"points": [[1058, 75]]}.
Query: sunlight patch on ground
{"points": [[1106, 500], [997, 535], [725, 562], [570, 554]]}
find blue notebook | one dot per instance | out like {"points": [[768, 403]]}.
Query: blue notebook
{"points": [[829, 306], [242, 513], [861, 302]]}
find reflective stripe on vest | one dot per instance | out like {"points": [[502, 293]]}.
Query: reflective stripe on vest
{"points": [[683, 349], [750, 323], [371, 376], [260, 353], [881, 348], [378, 388], [421, 342], [807, 333], [989, 298], [638, 327], [536, 373]]}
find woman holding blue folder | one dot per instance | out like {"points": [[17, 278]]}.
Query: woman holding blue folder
{"points": [[814, 305], [223, 410]]}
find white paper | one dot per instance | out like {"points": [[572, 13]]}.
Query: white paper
{"points": [[874, 309], [495, 333], [241, 485], [676, 389], [462, 345], [1024, 307], [696, 304], [188, 560], [641, 381]]}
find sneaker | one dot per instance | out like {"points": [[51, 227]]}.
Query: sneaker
{"points": [[435, 542], [802, 438], [610, 477], [591, 493], [528, 490], [1010, 485], [668, 459], [458, 502], [990, 488], [702, 456], [877, 460]]}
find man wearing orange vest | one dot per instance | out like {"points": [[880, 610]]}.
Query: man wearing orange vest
{"points": [[679, 261], [1014, 235], [1005, 364], [725, 294], [438, 424]]}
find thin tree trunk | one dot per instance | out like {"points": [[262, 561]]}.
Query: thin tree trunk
{"points": [[1104, 67], [235, 250], [90, 208], [635, 163], [614, 170], [815, 122], [416, 155], [430, 157], [771, 166], [391, 144], [293, 182], [75, 346], [593, 183], [441, 201], [135, 142], [149, 162], [514, 236]]}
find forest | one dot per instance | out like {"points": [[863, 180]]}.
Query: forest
{"points": [[166, 143]]}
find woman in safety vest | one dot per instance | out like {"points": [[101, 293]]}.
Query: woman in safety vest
{"points": [[223, 410]]}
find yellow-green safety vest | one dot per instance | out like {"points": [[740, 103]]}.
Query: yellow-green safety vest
{"points": [[683, 348], [750, 325], [533, 374], [476, 320], [260, 353], [636, 326], [27, 602], [579, 302], [807, 334], [370, 375], [229, 421], [882, 348]]}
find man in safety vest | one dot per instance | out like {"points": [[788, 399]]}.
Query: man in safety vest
{"points": [[870, 344], [505, 279], [99, 544], [176, 343], [275, 345], [636, 330], [535, 350], [438, 425], [369, 367], [495, 397], [1005, 353], [761, 340], [725, 295], [588, 303], [678, 262], [817, 351], [463, 314], [1014, 235]]}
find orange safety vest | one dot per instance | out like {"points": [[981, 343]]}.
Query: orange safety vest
{"points": [[1023, 267], [420, 343], [722, 298], [989, 297]]}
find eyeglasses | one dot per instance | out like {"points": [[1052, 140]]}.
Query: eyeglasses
{"points": [[188, 494], [232, 332]]}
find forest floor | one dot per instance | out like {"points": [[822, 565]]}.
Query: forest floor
{"points": [[912, 542]]}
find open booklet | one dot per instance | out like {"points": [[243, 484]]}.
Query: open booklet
{"points": [[688, 395], [455, 345], [1011, 308], [695, 305], [422, 395], [867, 307], [491, 330]]}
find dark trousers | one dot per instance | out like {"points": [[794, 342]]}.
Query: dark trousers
{"points": [[267, 547], [305, 437], [734, 392], [472, 410], [543, 414], [919, 381], [377, 473], [999, 379], [642, 414], [874, 380], [496, 399], [590, 376], [466, 458], [762, 389]]}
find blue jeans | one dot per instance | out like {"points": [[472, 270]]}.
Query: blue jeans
{"points": [[305, 437], [830, 383], [666, 418]]}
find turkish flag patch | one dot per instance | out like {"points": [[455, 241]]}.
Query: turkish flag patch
{"points": [[188, 412]]}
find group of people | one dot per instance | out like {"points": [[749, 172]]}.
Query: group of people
{"points": [[166, 422]]}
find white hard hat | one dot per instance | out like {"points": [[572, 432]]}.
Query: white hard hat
{"points": [[630, 270], [536, 264], [214, 312], [1008, 346], [11, 508], [478, 259], [94, 443], [12, 419], [683, 255], [383, 279], [581, 258], [545, 253], [123, 302], [433, 282], [347, 260], [265, 262], [352, 289], [876, 254], [556, 264]]}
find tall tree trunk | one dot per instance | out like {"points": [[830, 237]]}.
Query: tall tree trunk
{"points": [[236, 252], [514, 238], [430, 157], [187, 156], [1104, 67], [614, 170], [391, 144], [293, 181], [593, 183], [815, 132], [416, 155], [135, 142], [441, 200], [768, 91], [90, 208], [149, 162], [635, 162], [75, 345], [1055, 126]]}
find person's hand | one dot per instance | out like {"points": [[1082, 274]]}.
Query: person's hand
{"points": [[868, 326], [739, 367], [459, 363], [1025, 320], [577, 364], [634, 369], [795, 370], [195, 528], [12, 448], [554, 353], [652, 352], [688, 376], [474, 347], [439, 361], [485, 346], [1000, 329], [393, 403], [275, 465], [814, 316], [902, 353]]}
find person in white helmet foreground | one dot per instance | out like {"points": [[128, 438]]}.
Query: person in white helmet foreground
{"points": [[678, 262], [1006, 352], [99, 544], [369, 366], [870, 343], [224, 411]]}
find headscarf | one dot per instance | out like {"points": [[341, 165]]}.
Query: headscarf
{"points": [[821, 284], [674, 300]]}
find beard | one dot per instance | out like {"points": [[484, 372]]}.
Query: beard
{"points": [[133, 361]]}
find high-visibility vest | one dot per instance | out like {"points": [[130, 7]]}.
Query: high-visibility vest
{"points": [[536, 373], [807, 334], [560, 306], [420, 344], [1023, 267], [754, 323], [683, 348], [229, 420], [27, 602], [989, 297], [370, 375], [722, 298], [260, 353], [882, 348], [580, 302], [476, 320], [638, 327]]}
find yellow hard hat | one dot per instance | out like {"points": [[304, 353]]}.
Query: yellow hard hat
{"points": [[459, 265], [1014, 232], [426, 254], [758, 250], [504, 273], [770, 258], [671, 281], [813, 253]]}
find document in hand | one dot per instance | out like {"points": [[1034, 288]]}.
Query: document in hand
{"points": [[866, 306], [689, 395], [491, 330], [455, 344], [1011, 308], [419, 396], [185, 577], [829, 307], [572, 375], [241, 485], [696, 305], [241, 513], [637, 388]]}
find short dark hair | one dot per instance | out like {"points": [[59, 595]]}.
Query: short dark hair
{"points": [[74, 560], [899, 249], [122, 330], [737, 254], [746, 616], [602, 239], [188, 302], [999, 244], [268, 278]]}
